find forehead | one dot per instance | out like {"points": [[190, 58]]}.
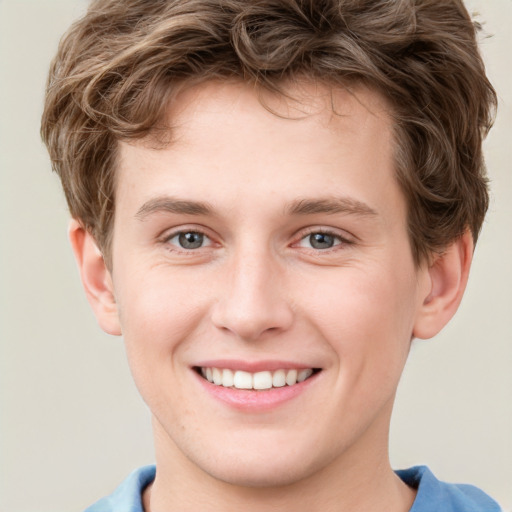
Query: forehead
{"points": [[232, 111], [301, 105], [314, 138]]}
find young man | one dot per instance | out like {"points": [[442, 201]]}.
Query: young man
{"points": [[270, 200]]}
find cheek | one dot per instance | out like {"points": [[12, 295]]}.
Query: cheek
{"points": [[158, 316], [159, 301], [366, 316], [159, 311]]}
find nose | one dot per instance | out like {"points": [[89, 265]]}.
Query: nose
{"points": [[253, 301]]}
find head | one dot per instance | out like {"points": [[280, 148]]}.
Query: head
{"points": [[120, 67], [272, 186]]}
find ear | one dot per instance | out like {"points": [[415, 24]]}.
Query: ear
{"points": [[96, 278], [447, 277]]}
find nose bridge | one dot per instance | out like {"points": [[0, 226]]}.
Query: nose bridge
{"points": [[253, 299]]}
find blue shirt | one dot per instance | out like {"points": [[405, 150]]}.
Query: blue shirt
{"points": [[433, 495]]}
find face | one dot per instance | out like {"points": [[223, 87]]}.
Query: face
{"points": [[266, 251]]}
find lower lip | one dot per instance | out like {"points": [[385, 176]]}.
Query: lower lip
{"points": [[256, 400]]}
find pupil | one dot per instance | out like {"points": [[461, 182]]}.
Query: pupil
{"points": [[321, 241], [191, 240]]}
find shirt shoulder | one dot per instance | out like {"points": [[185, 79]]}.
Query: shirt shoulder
{"points": [[128, 496], [437, 496]]}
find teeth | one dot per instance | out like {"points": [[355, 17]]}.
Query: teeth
{"points": [[259, 380], [304, 374], [242, 380], [291, 377], [228, 378], [279, 379], [262, 380], [217, 376]]}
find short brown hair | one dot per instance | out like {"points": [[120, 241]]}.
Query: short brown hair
{"points": [[118, 67]]}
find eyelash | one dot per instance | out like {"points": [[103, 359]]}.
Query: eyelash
{"points": [[176, 248], [340, 241]]}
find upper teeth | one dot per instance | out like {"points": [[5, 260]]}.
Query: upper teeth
{"points": [[259, 380]]}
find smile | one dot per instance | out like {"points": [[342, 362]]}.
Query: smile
{"points": [[257, 381]]}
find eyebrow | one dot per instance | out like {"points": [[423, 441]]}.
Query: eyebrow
{"points": [[331, 205], [345, 205], [171, 205]]}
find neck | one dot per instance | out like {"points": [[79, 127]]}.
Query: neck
{"points": [[360, 481]]}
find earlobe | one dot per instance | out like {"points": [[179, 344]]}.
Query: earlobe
{"points": [[448, 275], [96, 278]]}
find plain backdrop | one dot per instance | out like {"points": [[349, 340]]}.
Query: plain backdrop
{"points": [[71, 423]]}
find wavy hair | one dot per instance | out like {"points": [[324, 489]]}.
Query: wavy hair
{"points": [[119, 67]]}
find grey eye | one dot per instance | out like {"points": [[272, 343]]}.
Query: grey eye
{"points": [[190, 240], [322, 240], [319, 241]]}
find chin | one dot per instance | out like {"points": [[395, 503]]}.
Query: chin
{"points": [[242, 474], [263, 468]]}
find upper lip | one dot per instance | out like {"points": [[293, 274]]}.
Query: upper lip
{"points": [[252, 366]]}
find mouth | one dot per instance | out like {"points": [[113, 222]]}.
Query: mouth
{"points": [[257, 381]]}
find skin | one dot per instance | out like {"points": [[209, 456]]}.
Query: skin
{"points": [[258, 290]]}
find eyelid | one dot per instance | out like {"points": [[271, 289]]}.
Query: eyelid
{"points": [[166, 237], [342, 237], [338, 233]]}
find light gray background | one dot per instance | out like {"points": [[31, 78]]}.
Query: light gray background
{"points": [[71, 423]]}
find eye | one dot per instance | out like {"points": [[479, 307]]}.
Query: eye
{"points": [[320, 241], [189, 240]]}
